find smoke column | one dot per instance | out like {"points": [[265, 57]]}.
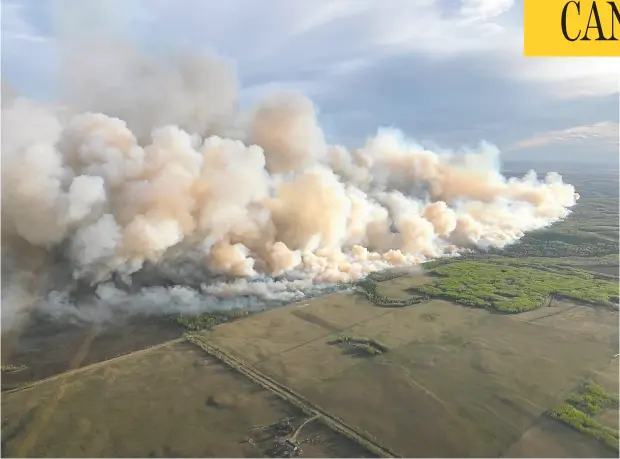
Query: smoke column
{"points": [[151, 178]]}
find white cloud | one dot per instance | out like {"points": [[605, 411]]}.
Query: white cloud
{"points": [[484, 9], [605, 132], [569, 78]]}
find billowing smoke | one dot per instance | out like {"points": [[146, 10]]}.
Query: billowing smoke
{"points": [[152, 192]]}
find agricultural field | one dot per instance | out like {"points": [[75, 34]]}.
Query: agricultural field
{"points": [[168, 401], [455, 381], [552, 437]]}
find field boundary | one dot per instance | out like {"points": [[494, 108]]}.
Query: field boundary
{"points": [[363, 439]]}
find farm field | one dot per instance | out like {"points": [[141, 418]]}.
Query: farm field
{"points": [[168, 401], [551, 438], [455, 380]]}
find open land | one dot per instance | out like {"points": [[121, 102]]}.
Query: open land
{"points": [[173, 398], [507, 353], [475, 379]]}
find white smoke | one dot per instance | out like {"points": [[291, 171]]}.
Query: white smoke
{"points": [[155, 172]]}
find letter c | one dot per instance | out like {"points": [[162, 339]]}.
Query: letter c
{"points": [[564, 11]]}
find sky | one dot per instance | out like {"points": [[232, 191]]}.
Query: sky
{"points": [[446, 72]]}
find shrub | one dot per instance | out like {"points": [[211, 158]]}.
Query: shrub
{"points": [[580, 421]]}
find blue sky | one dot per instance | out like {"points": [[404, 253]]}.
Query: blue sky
{"points": [[446, 71]]}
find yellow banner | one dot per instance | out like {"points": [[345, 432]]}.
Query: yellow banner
{"points": [[571, 28]]}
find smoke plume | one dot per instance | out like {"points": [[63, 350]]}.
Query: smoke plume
{"points": [[152, 192]]}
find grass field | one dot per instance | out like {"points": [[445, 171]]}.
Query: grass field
{"points": [[549, 438], [171, 401], [456, 381]]}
